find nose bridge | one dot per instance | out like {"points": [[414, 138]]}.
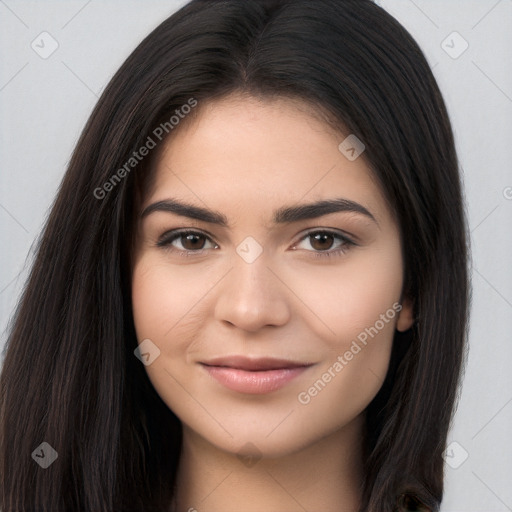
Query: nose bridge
{"points": [[251, 296]]}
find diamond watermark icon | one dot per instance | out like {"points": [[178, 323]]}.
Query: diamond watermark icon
{"points": [[249, 249], [455, 455], [147, 352], [44, 45], [454, 45], [44, 455], [351, 147]]}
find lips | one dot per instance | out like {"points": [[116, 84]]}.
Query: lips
{"points": [[254, 376]]}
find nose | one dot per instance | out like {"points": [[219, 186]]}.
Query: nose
{"points": [[252, 297]]}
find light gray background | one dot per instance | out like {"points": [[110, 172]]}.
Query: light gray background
{"points": [[44, 104]]}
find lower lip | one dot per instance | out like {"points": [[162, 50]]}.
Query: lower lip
{"points": [[254, 382]]}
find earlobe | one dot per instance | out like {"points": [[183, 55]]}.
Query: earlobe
{"points": [[406, 316]]}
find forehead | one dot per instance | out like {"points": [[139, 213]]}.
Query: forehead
{"points": [[257, 155]]}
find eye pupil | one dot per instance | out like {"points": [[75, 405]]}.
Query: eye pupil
{"points": [[192, 241], [322, 241]]}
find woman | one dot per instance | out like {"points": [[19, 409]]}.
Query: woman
{"points": [[251, 292]]}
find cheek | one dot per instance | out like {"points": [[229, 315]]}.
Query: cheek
{"points": [[168, 309], [168, 305], [356, 307], [153, 309], [352, 297], [362, 310]]}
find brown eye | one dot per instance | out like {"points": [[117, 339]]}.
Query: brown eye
{"points": [[193, 241], [322, 241], [325, 243], [186, 241]]}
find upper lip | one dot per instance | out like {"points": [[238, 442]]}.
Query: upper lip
{"points": [[254, 364]]}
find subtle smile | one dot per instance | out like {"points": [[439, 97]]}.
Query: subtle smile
{"points": [[254, 376]]}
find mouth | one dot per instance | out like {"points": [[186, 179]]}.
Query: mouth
{"points": [[254, 376]]}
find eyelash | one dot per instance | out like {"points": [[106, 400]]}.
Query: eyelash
{"points": [[166, 240]]}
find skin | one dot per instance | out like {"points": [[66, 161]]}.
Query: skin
{"points": [[246, 158]]}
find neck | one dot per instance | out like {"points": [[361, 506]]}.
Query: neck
{"points": [[324, 476]]}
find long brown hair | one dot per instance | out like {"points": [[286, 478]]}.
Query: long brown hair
{"points": [[70, 377]]}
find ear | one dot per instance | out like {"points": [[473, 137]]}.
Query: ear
{"points": [[406, 316]]}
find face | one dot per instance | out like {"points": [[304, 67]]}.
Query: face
{"points": [[267, 276]]}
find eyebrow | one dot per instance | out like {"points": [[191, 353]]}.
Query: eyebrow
{"points": [[283, 215]]}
